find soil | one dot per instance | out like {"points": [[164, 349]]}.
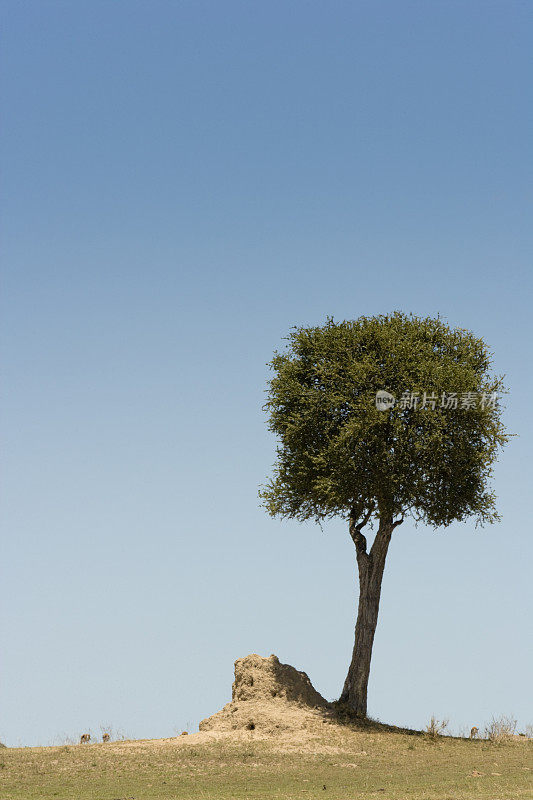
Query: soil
{"points": [[269, 697]]}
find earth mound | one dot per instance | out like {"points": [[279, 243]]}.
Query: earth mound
{"points": [[268, 696]]}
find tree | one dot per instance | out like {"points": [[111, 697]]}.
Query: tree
{"points": [[428, 456]]}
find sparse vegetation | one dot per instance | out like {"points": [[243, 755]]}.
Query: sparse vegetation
{"points": [[500, 728], [351, 764], [436, 727]]}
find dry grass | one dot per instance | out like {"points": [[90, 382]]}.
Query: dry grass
{"points": [[350, 763], [436, 727], [500, 729]]}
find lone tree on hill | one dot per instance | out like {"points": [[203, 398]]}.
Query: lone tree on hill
{"points": [[428, 455]]}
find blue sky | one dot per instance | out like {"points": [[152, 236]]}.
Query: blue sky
{"points": [[182, 183]]}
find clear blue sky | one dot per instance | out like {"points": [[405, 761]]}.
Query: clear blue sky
{"points": [[182, 183]]}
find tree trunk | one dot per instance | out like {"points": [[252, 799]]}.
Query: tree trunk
{"points": [[370, 565]]}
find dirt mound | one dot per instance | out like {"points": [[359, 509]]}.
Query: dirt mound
{"points": [[268, 696]]}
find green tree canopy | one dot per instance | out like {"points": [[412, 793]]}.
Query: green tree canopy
{"points": [[339, 452]]}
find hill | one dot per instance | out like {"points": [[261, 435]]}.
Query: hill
{"points": [[278, 738]]}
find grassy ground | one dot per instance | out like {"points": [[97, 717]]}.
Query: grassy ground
{"points": [[337, 763]]}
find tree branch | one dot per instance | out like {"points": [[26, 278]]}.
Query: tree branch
{"points": [[381, 542], [358, 538]]}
